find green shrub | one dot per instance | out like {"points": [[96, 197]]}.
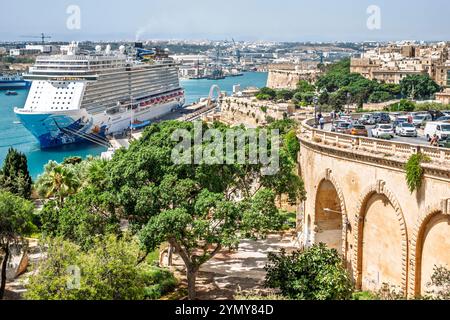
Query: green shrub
{"points": [[158, 282], [314, 274], [414, 171]]}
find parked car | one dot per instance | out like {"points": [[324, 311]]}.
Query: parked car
{"points": [[421, 120], [394, 115], [341, 127], [383, 130], [441, 129], [443, 119], [335, 124], [367, 119], [406, 129], [346, 118], [357, 130], [382, 117], [436, 114], [445, 143], [398, 122]]}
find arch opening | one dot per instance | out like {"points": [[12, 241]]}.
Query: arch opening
{"points": [[328, 216], [380, 245], [433, 244]]}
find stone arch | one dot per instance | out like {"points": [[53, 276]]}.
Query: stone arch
{"points": [[329, 177], [379, 188], [417, 241]]}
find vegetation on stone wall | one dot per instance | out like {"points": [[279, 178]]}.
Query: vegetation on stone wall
{"points": [[440, 282], [414, 171]]}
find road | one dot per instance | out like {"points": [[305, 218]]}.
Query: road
{"points": [[421, 140]]}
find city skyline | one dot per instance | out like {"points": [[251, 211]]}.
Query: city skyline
{"points": [[321, 21]]}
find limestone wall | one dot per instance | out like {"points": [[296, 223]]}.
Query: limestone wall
{"points": [[288, 79], [388, 234]]}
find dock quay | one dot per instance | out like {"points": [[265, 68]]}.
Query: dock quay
{"points": [[191, 112]]}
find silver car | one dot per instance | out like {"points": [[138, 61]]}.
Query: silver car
{"points": [[381, 130], [406, 130]]}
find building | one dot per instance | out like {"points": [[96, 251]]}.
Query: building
{"points": [[392, 63], [443, 97], [23, 52]]}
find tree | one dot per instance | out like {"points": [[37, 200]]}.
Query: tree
{"points": [[84, 217], [107, 271], [403, 105], [324, 98], [16, 216], [57, 181], [380, 96], [304, 86], [418, 87], [292, 144], [266, 94], [314, 274], [284, 95], [197, 208], [14, 176]]}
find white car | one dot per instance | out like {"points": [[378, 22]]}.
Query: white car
{"points": [[405, 129], [383, 130], [441, 129]]}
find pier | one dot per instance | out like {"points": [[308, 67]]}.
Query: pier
{"points": [[191, 112]]}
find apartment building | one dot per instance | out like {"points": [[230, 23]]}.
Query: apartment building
{"points": [[390, 64]]}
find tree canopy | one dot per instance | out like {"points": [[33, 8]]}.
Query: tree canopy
{"points": [[418, 87], [197, 208], [16, 216], [14, 175]]}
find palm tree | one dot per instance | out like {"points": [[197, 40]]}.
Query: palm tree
{"points": [[58, 181]]}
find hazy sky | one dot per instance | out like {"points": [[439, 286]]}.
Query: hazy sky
{"points": [[279, 20]]}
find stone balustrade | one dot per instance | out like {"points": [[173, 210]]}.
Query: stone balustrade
{"points": [[386, 148]]}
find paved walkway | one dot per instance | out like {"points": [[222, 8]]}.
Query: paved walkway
{"points": [[229, 273]]}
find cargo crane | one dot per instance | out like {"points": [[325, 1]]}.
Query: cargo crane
{"points": [[42, 37], [237, 51]]}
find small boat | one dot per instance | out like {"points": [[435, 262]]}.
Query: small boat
{"points": [[11, 93], [139, 124]]}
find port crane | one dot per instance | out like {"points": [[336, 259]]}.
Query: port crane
{"points": [[237, 51], [42, 37]]}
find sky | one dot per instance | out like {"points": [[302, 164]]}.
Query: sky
{"points": [[274, 20]]}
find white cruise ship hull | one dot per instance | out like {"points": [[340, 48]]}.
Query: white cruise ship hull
{"points": [[76, 96], [66, 127]]}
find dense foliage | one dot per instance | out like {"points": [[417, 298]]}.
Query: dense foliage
{"points": [[345, 87], [192, 206], [16, 221], [14, 175], [314, 274], [337, 87], [418, 87], [107, 271]]}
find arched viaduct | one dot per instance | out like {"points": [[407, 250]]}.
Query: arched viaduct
{"points": [[359, 203]]}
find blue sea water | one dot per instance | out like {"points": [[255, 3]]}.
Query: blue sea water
{"points": [[13, 134]]}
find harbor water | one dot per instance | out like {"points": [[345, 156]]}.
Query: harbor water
{"points": [[13, 134]]}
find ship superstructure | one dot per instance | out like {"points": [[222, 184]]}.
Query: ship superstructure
{"points": [[79, 96]]}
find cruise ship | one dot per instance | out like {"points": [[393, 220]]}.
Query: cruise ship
{"points": [[78, 96]]}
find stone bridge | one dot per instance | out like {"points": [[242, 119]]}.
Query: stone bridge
{"points": [[359, 203]]}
